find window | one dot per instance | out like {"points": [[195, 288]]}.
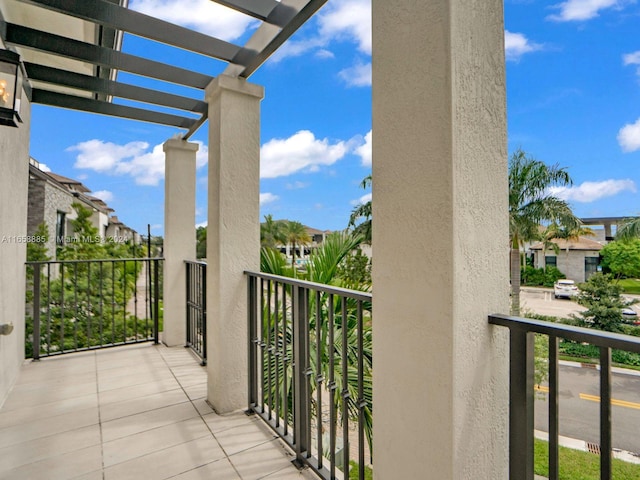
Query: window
{"points": [[551, 261], [590, 266], [61, 220]]}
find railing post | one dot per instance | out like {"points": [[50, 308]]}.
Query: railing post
{"points": [[521, 399], [187, 303], [36, 311], [156, 302], [605, 413], [203, 317], [300, 386], [251, 328]]}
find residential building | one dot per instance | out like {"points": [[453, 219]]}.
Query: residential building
{"points": [[577, 258], [51, 198]]}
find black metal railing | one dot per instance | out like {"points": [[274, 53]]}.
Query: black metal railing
{"points": [[521, 385], [196, 277], [310, 366], [77, 305]]}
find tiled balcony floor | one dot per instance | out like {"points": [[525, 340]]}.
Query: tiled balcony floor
{"points": [[129, 413]]}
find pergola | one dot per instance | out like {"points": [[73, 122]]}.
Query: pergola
{"points": [[71, 51]]}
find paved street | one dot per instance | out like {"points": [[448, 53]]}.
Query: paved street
{"points": [[579, 395], [579, 407]]}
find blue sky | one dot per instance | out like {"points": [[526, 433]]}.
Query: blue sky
{"points": [[573, 97]]}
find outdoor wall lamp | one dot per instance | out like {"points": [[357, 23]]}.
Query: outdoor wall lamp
{"points": [[10, 88]]}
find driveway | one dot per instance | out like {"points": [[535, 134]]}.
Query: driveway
{"points": [[542, 302]]}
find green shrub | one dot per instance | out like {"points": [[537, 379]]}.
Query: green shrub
{"points": [[540, 277]]}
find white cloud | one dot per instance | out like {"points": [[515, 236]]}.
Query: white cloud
{"points": [[202, 224], [204, 16], [44, 167], [133, 159], [296, 185], [104, 156], [349, 19], [357, 76], [339, 20], [588, 192], [578, 10], [629, 137], [362, 200], [300, 152], [516, 45], [364, 150], [631, 58], [104, 195], [267, 198]]}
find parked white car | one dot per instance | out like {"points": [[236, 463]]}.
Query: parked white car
{"points": [[565, 289]]}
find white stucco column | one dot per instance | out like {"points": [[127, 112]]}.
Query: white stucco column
{"points": [[233, 235], [179, 234], [440, 186]]}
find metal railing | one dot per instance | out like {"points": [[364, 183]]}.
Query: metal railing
{"points": [[196, 280], [310, 367], [521, 386], [77, 305]]}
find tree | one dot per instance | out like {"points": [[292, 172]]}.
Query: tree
{"points": [[86, 243], [201, 242], [296, 234], [622, 258], [272, 232], [629, 229], [601, 296], [324, 268], [531, 204], [362, 212]]}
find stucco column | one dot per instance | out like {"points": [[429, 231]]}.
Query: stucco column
{"points": [[440, 185], [233, 235], [179, 234]]}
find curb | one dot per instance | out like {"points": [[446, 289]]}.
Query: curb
{"points": [[575, 444], [593, 366]]}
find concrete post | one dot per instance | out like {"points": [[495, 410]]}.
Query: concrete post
{"points": [[179, 234], [233, 236], [440, 184]]}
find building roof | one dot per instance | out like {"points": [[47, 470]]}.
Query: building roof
{"points": [[581, 243], [69, 182]]}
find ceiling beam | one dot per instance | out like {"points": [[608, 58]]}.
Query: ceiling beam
{"points": [[55, 99], [86, 52], [260, 9], [108, 87], [136, 23], [269, 37]]}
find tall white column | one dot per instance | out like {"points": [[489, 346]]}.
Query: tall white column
{"points": [[440, 186], [233, 236], [179, 234]]}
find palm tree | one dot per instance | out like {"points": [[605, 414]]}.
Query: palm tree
{"points": [[572, 232], [629, 230], [530, 204], [272, 232], [362, 211], [296, 234]]}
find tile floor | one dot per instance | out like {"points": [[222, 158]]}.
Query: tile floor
{"points": [[129, 413]]}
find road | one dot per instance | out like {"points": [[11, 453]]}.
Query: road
{"points": [[580, 407], [579, 395]]}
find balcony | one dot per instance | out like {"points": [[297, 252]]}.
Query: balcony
{"points": [[140, 408], [129, 412]]}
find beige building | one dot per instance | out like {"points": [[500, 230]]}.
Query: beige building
{"points": [[51, 197], [578, 258]]}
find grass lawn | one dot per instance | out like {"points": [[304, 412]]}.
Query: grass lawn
{"points": [[630, 285], [578, 465]]}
